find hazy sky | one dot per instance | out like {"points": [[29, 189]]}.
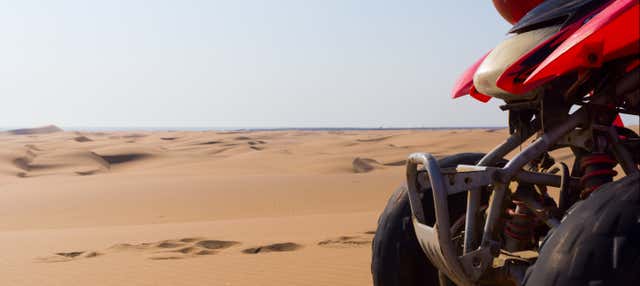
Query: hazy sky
{"points": [[243, 63]]}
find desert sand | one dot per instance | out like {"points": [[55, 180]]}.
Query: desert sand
{"points": [[202, 208]]}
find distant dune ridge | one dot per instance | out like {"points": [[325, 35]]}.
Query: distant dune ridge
{"points": [[36, 130], [267, 208]]}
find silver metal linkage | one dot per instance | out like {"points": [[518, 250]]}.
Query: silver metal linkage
{"points": [[474, 196]]}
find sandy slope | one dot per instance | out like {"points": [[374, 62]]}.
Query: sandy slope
{"points": [[202, 208]]}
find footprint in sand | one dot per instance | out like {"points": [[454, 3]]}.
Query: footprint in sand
{"points": [[68, 256], [348, 241], [210, 142], [86, 173], [214, 152], [160, 250], [276, 247], [190, 247], [396, 146], [257, 142], [215, 244], [396, 163]]}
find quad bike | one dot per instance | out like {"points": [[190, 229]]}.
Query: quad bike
{"points": [[566, 73]]}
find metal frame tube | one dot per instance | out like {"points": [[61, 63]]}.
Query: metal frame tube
{"points": [[541, 145], [473, 204], [546, 179], [514, 167], [620, 152], [439, 248], [474, 196], [436, 240], [495, 209]]}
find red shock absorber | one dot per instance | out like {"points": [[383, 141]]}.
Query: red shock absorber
{"points": [[597, 170], [519, 229]]}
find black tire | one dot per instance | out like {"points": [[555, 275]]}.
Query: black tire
{"points": [[397, 259], [598, 242]]}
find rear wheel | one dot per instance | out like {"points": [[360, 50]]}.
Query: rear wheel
{"points": [[397, 258], [598, 242]]}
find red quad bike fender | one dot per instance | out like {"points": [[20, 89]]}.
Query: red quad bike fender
{"points": [[613, 33], [514, 76], [610, 33], [464, 84]]}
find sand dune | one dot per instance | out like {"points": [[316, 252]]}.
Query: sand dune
{"points": [[82, 138], [37, 130], [115, 159], [202, 208], [364, 165]]}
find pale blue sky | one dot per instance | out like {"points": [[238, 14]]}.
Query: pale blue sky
{"points": [[243, 63]]}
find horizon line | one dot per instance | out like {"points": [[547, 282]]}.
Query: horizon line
{"points": [[245, 128]]}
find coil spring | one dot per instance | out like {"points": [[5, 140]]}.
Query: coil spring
{"points": [[597, 170], [520, 226]]}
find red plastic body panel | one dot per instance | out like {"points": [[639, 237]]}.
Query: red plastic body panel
{"points": [[479, 96], [464, 84], [516, 74], [514, 10], [611, 34], [618, 122]]}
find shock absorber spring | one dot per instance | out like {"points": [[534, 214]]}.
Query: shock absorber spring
{"points": [[597, 169], [519, 229]]}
